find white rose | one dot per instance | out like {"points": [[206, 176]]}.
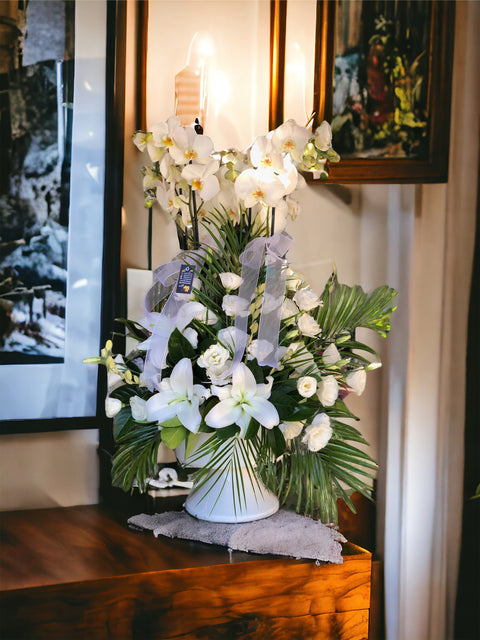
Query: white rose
{"points": [[306, 386], [323, 136], [308, 326], [259, 349], [235, 306], [331, 355], [216, 373], [112, 406], [318, 433], [328, 391], [113, 379], [214, 356], [139, 409], [192, 336], [294, 281], [291, 430], [230, 280], [357, 380], [306, 299], [227, 337], [207, 317], [289, 310]]}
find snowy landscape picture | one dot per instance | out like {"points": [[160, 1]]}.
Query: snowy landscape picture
{"points": [[36, 94]]}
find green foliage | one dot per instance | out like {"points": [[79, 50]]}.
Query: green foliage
{"points": [[135, 458], [179, 347], [345, 308]]}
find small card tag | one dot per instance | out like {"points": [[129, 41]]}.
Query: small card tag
{"points": [[185, 279]]}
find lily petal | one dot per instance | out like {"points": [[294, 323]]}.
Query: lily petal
{"points": [[181, 378], [244, 384], [263, 411], [158, 410], [189, 415], [223, 414]]}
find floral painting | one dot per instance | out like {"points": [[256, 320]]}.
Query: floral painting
{"points": [[380, 92]]}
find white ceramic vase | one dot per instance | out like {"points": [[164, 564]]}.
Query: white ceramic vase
{"points": [[219, 499]]}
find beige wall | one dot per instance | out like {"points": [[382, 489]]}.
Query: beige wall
{"points": [[41, 470]]}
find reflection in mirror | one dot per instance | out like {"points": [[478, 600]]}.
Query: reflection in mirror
{"points": [[217, 60]]}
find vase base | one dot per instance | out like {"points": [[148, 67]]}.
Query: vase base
{"points": [[215, 505]]}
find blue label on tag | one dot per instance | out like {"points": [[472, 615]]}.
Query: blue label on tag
{"points": [[185, 279]]}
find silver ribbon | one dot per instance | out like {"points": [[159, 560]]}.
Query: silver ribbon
{"points": [[270, 251], [177, 312]]}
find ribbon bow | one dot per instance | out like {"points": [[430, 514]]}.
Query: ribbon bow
{"points": [[270, 251]]}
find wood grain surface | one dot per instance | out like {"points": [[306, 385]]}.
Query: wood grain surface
{"points": [[78, 573]]}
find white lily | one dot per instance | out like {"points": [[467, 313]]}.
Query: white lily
{"points": [[242, 400], [178, 397]]}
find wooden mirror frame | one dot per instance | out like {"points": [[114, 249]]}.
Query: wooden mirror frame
{"points": [[366, 170]]}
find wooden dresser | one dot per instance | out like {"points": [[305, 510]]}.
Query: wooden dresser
{"points": [[80, 573]]}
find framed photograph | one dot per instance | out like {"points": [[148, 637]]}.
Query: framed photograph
{"points": [[60, 92], [382, 78]]}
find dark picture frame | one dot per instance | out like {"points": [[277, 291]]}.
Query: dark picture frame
{"points": [[431, 163], [102, 311]]}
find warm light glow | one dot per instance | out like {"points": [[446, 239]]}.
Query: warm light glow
{"points": [[220, 90], [295, 80]]}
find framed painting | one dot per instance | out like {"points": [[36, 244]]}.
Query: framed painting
{"points": [[61, 116], [382, 77]]}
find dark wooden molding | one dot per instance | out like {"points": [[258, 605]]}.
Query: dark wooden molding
{"points": [[142, 7], [278, 26]]}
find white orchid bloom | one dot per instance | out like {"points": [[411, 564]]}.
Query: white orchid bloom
{"points": [[290, 138], [169, 170], [162, 138], [259, 186], [202, 179], [189, 145], [178, 397], [289, 175], [264, 154], [141, 139], [167, 198], [242, 400]]}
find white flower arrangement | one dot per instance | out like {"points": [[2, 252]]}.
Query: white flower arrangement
{"points": [[245, 351]]}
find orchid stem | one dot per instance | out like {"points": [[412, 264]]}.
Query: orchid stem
{"points": [[196, 240], [149, 241], [272, 226]]}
